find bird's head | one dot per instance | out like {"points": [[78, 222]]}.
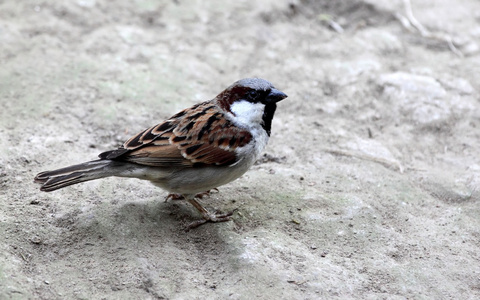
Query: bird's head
{"points": [[251, 101]]}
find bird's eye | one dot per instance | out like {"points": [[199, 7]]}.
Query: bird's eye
{"points": [[252, 96]]}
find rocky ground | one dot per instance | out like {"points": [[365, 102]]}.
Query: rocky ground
{"points": [[369, 186]]}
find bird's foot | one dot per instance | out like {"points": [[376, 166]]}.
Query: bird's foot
{"points": [[211, 217], [208, 216], [174, 196]]}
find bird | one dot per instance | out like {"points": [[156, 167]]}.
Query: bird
{"points": [[198, 149]]}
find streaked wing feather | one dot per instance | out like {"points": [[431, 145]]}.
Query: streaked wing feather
{"points": [[196, 136]]}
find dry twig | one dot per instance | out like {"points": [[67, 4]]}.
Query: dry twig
{"points": [[385, 162], [409, 21]]}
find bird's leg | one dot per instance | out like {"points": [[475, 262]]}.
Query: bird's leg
{"points": [[174, 196], [207, 216], [206, 193]]}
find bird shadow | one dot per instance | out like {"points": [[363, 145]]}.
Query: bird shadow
{"points": [[133, 226]]}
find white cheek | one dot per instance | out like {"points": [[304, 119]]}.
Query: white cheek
{"points": [[247, 113]]}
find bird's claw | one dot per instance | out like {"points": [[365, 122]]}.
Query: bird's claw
{"points": [[211, 217], [173, 196]]}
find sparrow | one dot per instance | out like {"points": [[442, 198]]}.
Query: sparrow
{"points": [[198, 149]]}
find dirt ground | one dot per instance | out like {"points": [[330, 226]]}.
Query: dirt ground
{"points": [[369, 186]]}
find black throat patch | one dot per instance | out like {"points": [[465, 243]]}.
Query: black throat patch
{"points": [[268, 116]]}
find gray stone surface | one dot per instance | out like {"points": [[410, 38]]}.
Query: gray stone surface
{"points": [[369, 189]]}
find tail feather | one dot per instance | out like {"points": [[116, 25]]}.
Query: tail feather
{"points": [[57, 179]]}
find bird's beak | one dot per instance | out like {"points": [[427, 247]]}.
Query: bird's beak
{"points": [[275, 96]]}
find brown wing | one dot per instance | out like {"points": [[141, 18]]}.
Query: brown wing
{"points": [[196, 136]]}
